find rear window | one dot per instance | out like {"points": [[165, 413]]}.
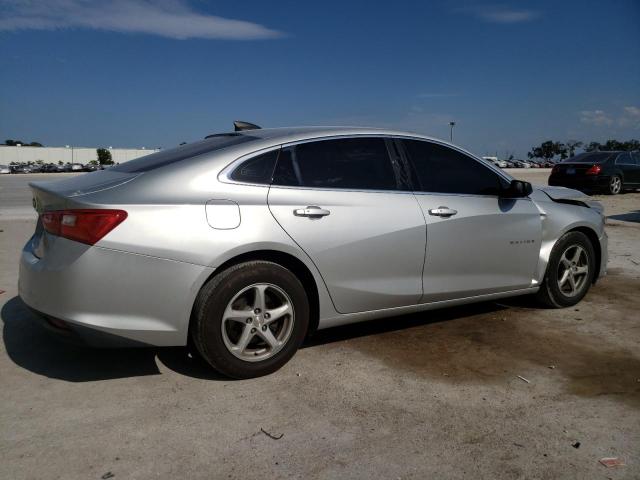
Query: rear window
{"points": [[167, 157], [625, 159], [348, 163], [258, 169], [596, 157]]}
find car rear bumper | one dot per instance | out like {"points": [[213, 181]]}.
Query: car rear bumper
{"points": [[585, 182], [107, 297]]}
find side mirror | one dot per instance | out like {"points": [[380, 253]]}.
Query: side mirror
{"points": [[517, 189]]}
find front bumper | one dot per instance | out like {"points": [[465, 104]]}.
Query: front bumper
{"points": [[109, 297], [604, 254], [579, 182]]}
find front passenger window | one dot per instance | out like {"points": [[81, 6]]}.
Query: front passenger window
{"points": [[442, 169]]}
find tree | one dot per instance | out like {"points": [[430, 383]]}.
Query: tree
{"points": [[613, 145], [104, 156], [593, 147], [632, 145], [572, 145], [13, 143], [548, 150]]}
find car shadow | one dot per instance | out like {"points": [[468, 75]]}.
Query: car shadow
{"points": [[627, 217], [33, 348], [401, 322]]}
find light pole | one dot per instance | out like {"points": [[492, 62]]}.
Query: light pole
{"points": [[451, 124], [67, 146]]}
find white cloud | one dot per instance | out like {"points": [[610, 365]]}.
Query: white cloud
{"points": [[166, 18], [500, 14], [595, 117], [630, 117]]}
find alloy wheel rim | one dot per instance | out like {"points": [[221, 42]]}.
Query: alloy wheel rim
{"points": [[573, 270], [257, 322], [616, 184]]}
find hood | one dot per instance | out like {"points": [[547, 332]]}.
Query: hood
{"points": [[571, 196]]}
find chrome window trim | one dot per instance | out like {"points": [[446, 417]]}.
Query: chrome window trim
{"points": [[629, 164], [491, 167], [224, 175]]}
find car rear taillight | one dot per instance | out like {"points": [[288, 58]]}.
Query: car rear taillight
{"points": [[593, 170], [555, 169], [85, 226]]}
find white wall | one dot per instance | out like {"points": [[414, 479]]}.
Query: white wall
{"points": [[71, 155]]}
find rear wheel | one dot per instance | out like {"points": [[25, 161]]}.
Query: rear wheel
{"points": [[570, 271], [615, 185], [250, 320]]}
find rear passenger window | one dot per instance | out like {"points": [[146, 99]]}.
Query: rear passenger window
{"points": [[442, 169], [258, 169], [350, 163], [624, 159]]}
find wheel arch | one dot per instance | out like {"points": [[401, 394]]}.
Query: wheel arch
{"points": [[595, 242], [286, 260]]}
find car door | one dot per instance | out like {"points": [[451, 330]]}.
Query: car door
{"points": [[630, 169], [635, 162], [341, 201], [477, 242]]}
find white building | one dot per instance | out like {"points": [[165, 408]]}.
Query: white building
{"points": [[66, 154]]}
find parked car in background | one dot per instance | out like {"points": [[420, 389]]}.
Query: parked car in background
{"points": [[244, 243], [20, 168], [92, 167], [610, 172], [73, 167], [496, 161], [52, 168], [4, 169], [521, 164]]}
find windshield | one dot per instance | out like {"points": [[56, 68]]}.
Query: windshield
{"points": [[166, 157], [590, 157]]}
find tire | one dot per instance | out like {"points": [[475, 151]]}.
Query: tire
{"points": [[615, 185], [557, 291], [234, 335]]}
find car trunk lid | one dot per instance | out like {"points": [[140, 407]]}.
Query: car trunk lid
{"points": [[572, 169], [67, 195]]}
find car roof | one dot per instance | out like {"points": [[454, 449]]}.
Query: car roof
{"points": [[293, 134]]}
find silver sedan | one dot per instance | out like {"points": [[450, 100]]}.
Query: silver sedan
{"points": [[244, 243]]}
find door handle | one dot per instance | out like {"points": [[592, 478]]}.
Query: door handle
{"points": [[445, 212], [311, 211]]}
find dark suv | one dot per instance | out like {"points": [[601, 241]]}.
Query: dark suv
{"points": [[611, 172]]}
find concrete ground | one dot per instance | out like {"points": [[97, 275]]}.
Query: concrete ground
{"points": [[432, 395]]}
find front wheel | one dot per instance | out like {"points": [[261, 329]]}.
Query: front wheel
{"points": [[570, 271], [250, 319], [615, 185]]}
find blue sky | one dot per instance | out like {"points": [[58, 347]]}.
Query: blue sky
{"points": [[155, 73]]}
